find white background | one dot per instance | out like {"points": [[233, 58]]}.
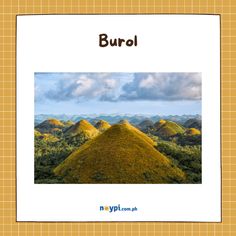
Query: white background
{"points": [[166, 43]]}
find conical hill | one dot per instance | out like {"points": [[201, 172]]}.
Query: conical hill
{"points": [[122, 154], [102, 125], [49, 125], [192, 131], [164, 128], [83, 127]]}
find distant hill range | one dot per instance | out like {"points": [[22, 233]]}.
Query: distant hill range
{"points": [[121, 154], [162, 128], [115, 118], [166, 128]]}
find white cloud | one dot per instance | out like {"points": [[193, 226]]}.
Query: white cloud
{"points": [[163, 86], [85, 86], [147, 82], [119, 86]]}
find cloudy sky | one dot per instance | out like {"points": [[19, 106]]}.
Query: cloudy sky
{"points": [[132, 93]]}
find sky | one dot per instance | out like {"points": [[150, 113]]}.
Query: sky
{"points": [[119, 93]]}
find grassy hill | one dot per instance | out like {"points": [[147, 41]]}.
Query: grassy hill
{"points": [[49, 125], [82, 128], [37, 133], [165, 129], [45, 136], [102, 125], [192, 131], [68, 123], [122, 154], [146, 125]]}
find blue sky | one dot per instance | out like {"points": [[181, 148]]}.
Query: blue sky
{"points": [[124, 93]]}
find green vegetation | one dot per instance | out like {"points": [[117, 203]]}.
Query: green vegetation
{"points": [[49, 126], [84, 128], [68, 123], [193, 123], [50, 151], [193, 131], [187, 158], [122, 154], [166, 129], [80, 153], [185, 139], [102, 125]]}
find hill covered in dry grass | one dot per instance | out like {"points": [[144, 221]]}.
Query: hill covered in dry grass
{"points": [[84, 128], [161, 152], [122, 154], [102, 125]]}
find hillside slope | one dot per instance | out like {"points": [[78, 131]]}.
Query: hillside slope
{"points": [[193, 123], [102, 125], [122, 154], [84, 128], [165, 129], [192, 131], [49, 125], [146, 125]]}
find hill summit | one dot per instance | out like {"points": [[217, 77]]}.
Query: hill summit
{"points": [[146, 125], [165, 128], [68, 123], [192, 131], [122, 154], [83, 127], [49, 125], [102, 125]]}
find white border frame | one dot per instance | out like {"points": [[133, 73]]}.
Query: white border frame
{"points": [[160, 49]]}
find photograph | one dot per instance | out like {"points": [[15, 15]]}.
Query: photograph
{"points": [[118, 128]]}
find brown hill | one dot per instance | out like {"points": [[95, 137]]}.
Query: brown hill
{"points": [[84, 128], [122, 154], [49, 125], [165, 129], [192, 131], [102, 125]]}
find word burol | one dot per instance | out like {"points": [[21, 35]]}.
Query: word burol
{"points": [[104, 41]]}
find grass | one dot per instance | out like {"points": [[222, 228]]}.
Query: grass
{"points": [[49, 125], [166, 129], [122, 154], [193, 131], [83, 127], [46, 137], [102, 125]]}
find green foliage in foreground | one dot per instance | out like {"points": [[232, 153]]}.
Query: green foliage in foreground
{"points": [[187, 158], [48, 155], [183, 150]]}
